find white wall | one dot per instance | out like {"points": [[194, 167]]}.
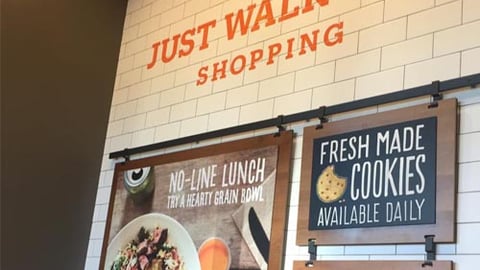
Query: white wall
{"points": [[387, 46]]}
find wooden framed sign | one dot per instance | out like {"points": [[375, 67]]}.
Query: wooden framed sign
{"points": [[382, 178], [217, 207], [373, 265]]}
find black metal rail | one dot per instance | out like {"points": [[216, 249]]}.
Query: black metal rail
{"points": [[434, 89]]}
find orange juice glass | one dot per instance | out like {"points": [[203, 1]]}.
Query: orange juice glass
{"points": [[214, 254]]}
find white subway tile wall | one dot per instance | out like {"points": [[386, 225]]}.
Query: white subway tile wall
{"points": [[242, 95], [470, 62], [223, 119], [358, 65], [256, 111], [440, 68], [193, 91], [148, 103], [288, 65], [292, 103], [323, 74], [194, 126], [431, 20], [348, 47], [409, 51], [383, 34], [363, 18], [399, 8], [335, 8], [457, 39], [380, 83], [143, 137], [441, 2], [387, 45], [344, 92], [470, 10], [277, 86]]}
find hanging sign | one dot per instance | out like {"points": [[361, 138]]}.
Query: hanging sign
{"points": [[207, 208], [380, 173], [372, 265], [375, 177]]}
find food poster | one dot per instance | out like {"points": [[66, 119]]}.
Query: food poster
{"points": [[212, 212]]}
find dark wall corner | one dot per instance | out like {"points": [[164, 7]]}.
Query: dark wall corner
{"points": [[58, 65]]}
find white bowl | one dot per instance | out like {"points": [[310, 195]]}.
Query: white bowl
{"points": [[177, 236]]}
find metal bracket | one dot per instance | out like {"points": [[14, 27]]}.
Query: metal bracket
{"points": [[430, 250], [312, 251], [279, 125], [125, 155], [436, 96], [321, 116], [473, 84]]}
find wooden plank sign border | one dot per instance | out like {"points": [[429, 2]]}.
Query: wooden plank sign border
{"points": [[372, 265], [230, 198], [336, 179]]}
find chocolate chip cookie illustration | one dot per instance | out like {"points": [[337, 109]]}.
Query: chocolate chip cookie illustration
{"points": [[330, 186]]}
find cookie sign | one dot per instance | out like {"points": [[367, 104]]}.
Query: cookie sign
{"points": [[381, 176]]}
